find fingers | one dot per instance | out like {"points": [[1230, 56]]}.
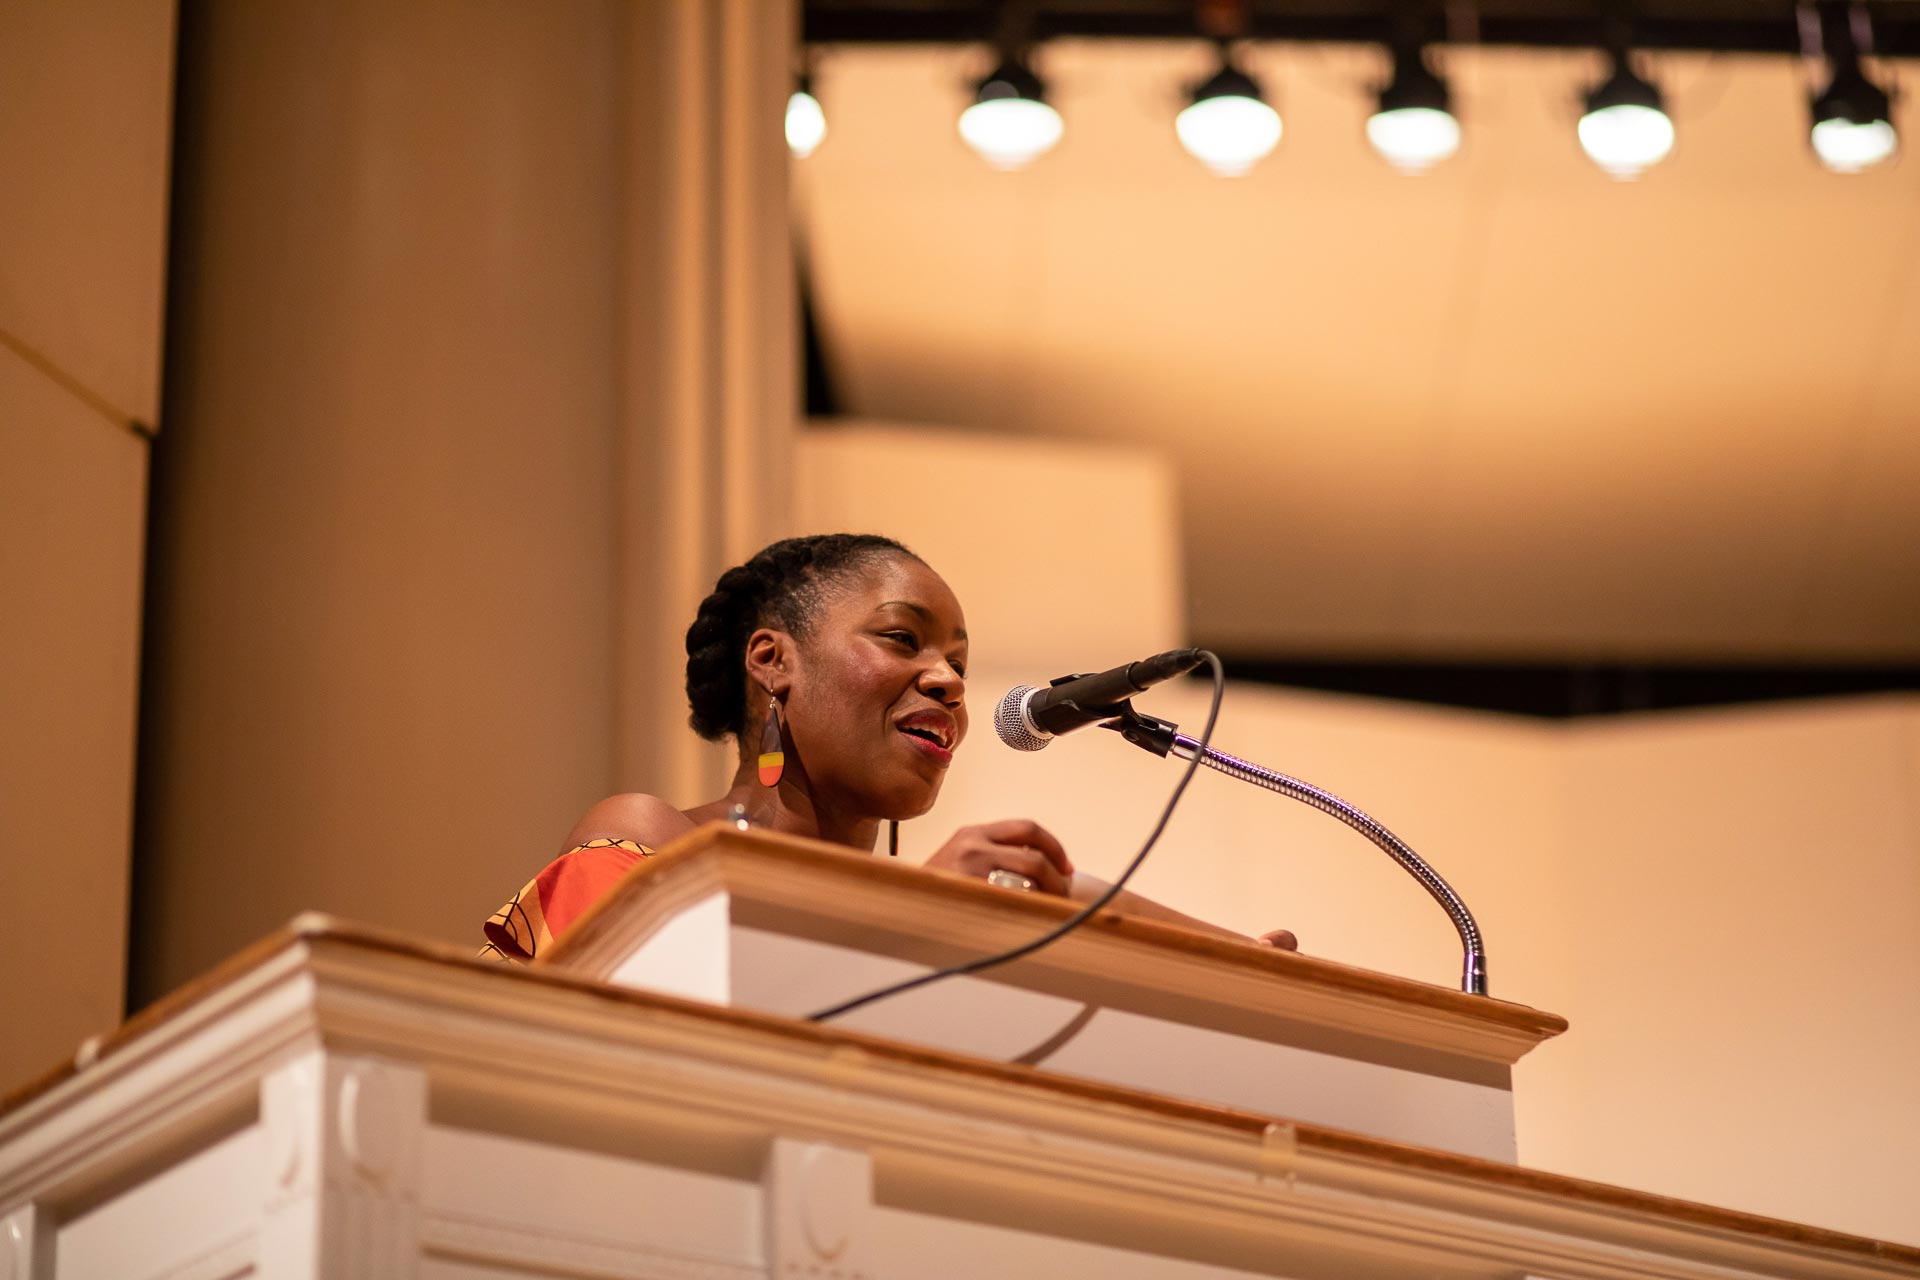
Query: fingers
{"points": [[1025, 831], [1035, 866], [1017, 845], [1281, 938]]}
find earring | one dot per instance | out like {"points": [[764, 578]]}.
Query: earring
{"points": [[773, 760]]}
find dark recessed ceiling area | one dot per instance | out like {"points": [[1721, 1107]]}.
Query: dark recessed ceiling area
{"points": [[1569, 692]]}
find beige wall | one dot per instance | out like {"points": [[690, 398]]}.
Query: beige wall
{"points": [[85, 92], [72, 497], [1747, 985], [1725, 904], [1007, 521]]}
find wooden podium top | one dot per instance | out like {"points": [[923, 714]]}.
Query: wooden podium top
{"points": [[499, 1045], [936, 918]]}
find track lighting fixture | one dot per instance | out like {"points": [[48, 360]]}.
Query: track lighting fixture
{"points": [[1010, 124], [1626, 129], [806, 122], [1853, 123], [1228, 126], [1413, 127], [1852, 117]]}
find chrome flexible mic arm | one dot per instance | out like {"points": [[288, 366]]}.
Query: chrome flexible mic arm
{"points": [[1163, 738]]}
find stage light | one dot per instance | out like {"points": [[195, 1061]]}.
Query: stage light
{"points": [[1228, 127], [806, 122], [1009, 123], [1853, 117], [1625, 129], [1414, 127]]}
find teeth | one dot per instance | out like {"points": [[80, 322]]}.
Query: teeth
{"points": [[937, 736]]}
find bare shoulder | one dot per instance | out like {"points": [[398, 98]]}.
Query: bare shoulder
{"points": [[635, 816]]}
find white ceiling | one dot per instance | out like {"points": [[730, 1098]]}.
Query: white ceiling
{"points": [[1512, 409]]}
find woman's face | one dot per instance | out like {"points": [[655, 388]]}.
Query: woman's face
{"points": [[877, 703]]}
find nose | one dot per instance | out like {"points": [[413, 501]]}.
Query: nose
{"points": [[943, 684]]}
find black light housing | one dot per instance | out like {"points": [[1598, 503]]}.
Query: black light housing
{"points": [[1415, 86], [1013, 78], [1228, 82], [1625, 88], [1853, 98]]}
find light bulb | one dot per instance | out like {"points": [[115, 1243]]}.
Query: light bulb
{"points": [[1413, 139], [1228, 135], [1847, 147], [1626, 129], [1626, 140], [1228, 128], [1009, 124], [806, 123], [1010, 133], [1852, 119]]}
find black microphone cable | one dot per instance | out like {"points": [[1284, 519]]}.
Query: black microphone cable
{"points": [[1085, 913]]}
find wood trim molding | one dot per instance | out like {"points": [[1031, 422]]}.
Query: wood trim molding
{"points": [[913, 913]]}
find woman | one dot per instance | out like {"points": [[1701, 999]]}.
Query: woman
{"points": [[837, 663]]}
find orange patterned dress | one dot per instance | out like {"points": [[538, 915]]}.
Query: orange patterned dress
{"points": [[554, 899]]}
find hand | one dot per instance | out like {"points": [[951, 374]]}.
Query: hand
{"points": [[1017, 845], [1281, 938]]}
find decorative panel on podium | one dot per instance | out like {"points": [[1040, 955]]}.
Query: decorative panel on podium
{"points": [[789, 926]]}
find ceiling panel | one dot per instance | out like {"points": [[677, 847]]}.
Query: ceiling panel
{"points": [[1510, 409]]}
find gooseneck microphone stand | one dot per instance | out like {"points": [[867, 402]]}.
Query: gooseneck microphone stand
{"points": [[1163, 739]]}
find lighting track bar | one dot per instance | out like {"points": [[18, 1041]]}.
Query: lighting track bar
{"points": [[1759, 27]]}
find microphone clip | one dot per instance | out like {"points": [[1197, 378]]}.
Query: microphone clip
{"points": [[1150, 733], [1107, 715]]}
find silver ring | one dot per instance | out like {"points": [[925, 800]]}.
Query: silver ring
{"points": [[1008, 879]]}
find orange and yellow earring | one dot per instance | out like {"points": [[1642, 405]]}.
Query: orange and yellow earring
{"points": [[773, 760]]}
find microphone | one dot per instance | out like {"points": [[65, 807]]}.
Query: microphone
{"points": [[1029, 718]]}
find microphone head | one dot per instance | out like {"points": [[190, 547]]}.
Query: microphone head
{"points": [[1011, 723]]}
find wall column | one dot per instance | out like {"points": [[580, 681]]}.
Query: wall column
{"points": [[712, 387], [478, 355]]}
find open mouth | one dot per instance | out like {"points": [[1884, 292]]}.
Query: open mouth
{"points": [[933, 735]]}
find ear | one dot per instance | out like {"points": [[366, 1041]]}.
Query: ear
{"points": [[769, 657]]}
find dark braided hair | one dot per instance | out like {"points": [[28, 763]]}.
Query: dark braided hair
{"points": [[781, 586]]}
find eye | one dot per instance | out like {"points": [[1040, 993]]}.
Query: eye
{"points": [[905, 639], [959, 666]]}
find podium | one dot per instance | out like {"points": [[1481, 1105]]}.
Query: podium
{"points": [[337, 1101], [789, 926]]}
